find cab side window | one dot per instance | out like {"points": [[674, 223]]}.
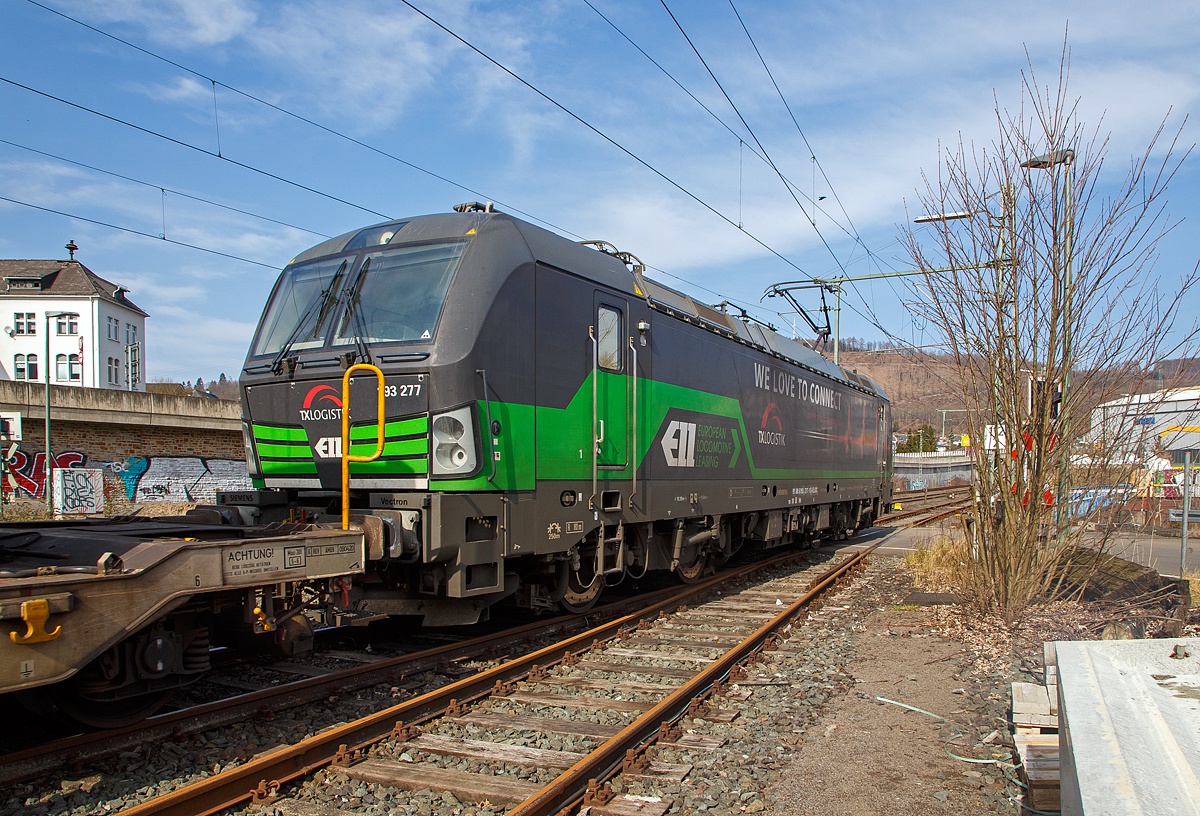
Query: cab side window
{"points": [[608, 338]]}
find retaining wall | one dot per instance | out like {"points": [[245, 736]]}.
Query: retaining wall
{"points": [[152, 447]]}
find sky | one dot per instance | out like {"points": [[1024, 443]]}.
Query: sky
{"points": [[206, 125]]}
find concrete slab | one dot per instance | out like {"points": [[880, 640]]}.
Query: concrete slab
{"points": [[1129, 734]]}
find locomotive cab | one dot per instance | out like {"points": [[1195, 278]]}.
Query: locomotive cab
{"points": [[444, 307]]}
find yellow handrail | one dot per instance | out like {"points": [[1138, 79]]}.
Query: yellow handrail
{"points": [[347, 457]]}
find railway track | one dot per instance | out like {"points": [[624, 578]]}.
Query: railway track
{"points": [[75, 751], [952, 509], [904, 496], [947, 502], [619, 687], [949, 506]]}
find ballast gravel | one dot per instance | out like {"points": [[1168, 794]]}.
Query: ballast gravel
{"points": [[111, 785], [810, 736]]}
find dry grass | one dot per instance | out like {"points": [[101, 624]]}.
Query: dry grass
{"points": [[24, 510], [33, 510], [939, 563]]}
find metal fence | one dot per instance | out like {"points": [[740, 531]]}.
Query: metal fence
{"points": [[917, 471]]}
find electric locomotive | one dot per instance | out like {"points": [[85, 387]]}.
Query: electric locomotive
{"points": [[553, 420]]}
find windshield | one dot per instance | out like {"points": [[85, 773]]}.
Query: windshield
{"points": [[300, 310], [398, 296]]}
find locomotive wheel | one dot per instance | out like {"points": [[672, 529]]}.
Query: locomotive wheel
{"points": [[108, 713], [691, 566], [581, 597], [721, 559]]}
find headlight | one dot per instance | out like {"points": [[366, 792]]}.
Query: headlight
{"points": [[251, 455], [448, 427], [451, 455], [454, 443]]}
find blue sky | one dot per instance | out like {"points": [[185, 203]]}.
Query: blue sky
{"points": [[875, 87]]}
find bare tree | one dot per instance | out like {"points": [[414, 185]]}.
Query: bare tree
{"points": [[1039, 275]]}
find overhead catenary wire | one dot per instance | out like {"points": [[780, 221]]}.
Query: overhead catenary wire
{"points": [[787, 184], [750, 130], [214, 82], [367, 146], [668, 74], [179, 193], [202, 150], [795, 122], [721, 121], [190, 146], [852, 232], [606, 138], [812, 153], [297, 116], [816, 164], [139, 232]]}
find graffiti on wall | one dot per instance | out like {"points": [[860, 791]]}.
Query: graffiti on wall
{"points": [[179, 478], [78, 490], [139, 478], [27, 472]]}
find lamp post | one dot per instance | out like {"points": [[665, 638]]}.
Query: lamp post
{"points": [[49, 460], [1046, 162]]}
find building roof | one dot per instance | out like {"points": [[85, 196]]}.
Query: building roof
{"points": [[70, 278], [1187, 394]]}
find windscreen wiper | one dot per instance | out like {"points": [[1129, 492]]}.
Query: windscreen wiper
{"points": [[354, 308], [323, 304]]}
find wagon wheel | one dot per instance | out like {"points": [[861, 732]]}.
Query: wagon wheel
{"points": [[108, 713]]}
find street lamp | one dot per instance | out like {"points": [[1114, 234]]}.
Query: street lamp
{"points": [[49, 460], [1046, 162]]}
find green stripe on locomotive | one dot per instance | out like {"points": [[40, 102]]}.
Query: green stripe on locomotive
{"points": [[411, 426], [279, 434], [559, 432], [285, 451]]}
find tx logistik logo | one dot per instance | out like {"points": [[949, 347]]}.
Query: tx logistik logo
{"points": [[329, 447], [316, 394], [679, 444], [767, 436]]}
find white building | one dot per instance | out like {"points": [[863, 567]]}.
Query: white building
{"points": [[1140, 425], [101, 348]]}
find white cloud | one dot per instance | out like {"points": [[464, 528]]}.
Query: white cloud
{"points": [[878, 90], [196, 22], [182, 344], [184, 89]]}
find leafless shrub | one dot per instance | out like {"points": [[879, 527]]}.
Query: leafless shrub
{"points": [[1047, 278]]}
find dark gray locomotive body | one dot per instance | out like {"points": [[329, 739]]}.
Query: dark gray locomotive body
{"points": [[553, 420]]}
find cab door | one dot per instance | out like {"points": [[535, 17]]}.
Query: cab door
{"points": [[610, 382]]}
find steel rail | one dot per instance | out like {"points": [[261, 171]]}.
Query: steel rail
{"points": [[73, 752], [573, 784], [258, 778], [958, 508], [920, 511]]}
